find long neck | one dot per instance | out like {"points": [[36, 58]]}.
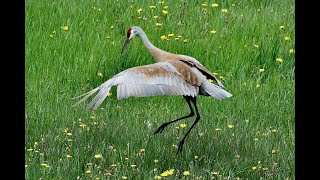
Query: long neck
{"points": [[154, 51], [146, 40]]}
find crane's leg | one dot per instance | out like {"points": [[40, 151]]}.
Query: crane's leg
{"points": [[194, 102], [164, 125]]}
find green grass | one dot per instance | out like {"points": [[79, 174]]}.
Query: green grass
{"points": [[65, 65]]}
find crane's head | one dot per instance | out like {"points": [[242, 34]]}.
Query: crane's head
{"points": [[131, 33]]}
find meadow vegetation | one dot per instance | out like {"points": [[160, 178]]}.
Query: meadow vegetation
{"points": [[74, 46]]}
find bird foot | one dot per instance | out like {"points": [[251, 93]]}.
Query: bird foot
{"points": [[180, 146], [161, 128]]}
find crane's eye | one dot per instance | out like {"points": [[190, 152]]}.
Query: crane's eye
{"points": [[128, 32]]}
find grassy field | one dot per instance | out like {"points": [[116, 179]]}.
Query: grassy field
{"points": [[74, 46]]}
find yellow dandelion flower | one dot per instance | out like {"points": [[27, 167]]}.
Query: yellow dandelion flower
{"points": [[161, 2], [196, 157], [254, 168], [170, 35], [113, 165], [261, 70], [291, 51], [281, 27], [183, 125], [157, 177], [233, 5], [185, 40], [215, 5], [274, 130], [109, 94], [256, 46], [88, 171], [139, 10], [165, 7], [133, 165], [97, 156], [100, 74], [156, 161], [221, 77], [44, 165], [213, 32], [164, 37], [89, 164], [214, 173], [158, 24], [155, 17], [69, 134], [152, 7], [273, 151], [35, 143], [287, 38], [175, 146], [176, 38], [179, 36], [92, 117], [142, 150], [258, 86], [68, 156], [224, 10], [218, 129], [230, 126], [279, 60], [164, 174], [164, 12], [214, 73], [171, 171], [82, 125], [204, 4], [186, 173], [210, 80], [66, 28]]}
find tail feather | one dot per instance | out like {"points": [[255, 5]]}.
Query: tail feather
{"points": [[215, 91]]}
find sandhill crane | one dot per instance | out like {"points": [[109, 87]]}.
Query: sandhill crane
{"points": [[173, 74]]}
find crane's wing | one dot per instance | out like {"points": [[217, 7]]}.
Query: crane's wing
{"points": [[161, 78], [194, 63]]}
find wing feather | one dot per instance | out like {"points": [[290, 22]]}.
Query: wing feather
{"points": [[161, 78]]}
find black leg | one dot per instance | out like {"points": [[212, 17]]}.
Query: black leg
{"points": [[164, 125], [194, 102]]}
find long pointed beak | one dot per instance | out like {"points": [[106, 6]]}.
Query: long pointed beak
{"points": [[125, 44]]}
